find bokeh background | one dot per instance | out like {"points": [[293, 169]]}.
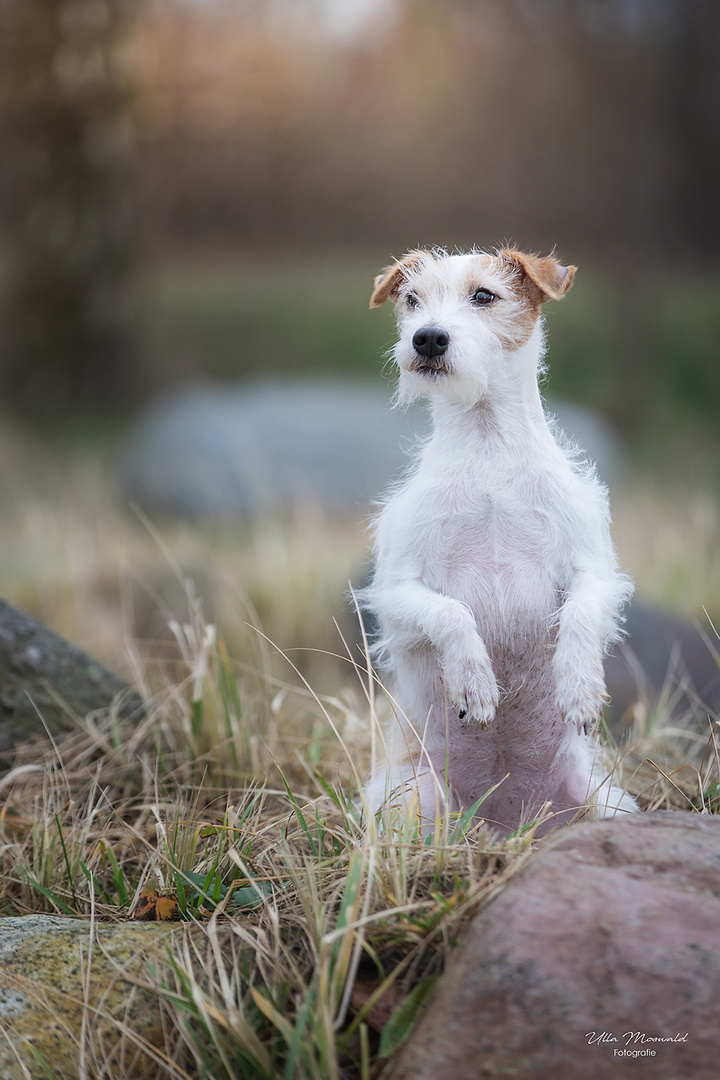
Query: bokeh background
{"points": [[194, 197]]}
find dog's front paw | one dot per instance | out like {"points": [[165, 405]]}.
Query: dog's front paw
{"points": [[472, 690], [581, 697]]}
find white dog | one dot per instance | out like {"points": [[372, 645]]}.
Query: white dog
{"points": [[496, 586]]}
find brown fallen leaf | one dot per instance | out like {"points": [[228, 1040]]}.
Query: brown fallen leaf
{"points": [[151, 907], [379, 1013]]}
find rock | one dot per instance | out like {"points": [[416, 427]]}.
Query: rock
{"points": [[42, 675], [243, 449], [662, 654], [209, 452], [593, 436], [610, 930], [43, 962]]}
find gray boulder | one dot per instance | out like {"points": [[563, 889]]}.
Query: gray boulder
{"points": [[592, 435], [663, 657], [45, 681], [600, 959], [208, 452], [238, 450]]}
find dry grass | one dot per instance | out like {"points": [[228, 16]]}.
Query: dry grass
{"points": [[244, 813], [670, 538], [235, 793]]}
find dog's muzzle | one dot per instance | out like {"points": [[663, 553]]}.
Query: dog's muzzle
{"points": [[430, 347]]}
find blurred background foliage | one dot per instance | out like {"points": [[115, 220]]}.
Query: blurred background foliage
{"points": [[203, 189]]}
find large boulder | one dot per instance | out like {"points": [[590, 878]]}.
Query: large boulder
{"points": [[214, 452], [63, 997], [663, 656], [45, 681], [242, 449], [600, 959]]}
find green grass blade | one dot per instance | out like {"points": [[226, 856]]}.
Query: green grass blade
{"points": [[464, 823], [71, 875], [118, 878], [301, 818], [50, 895], [46, 1068], [404, 1017], [522, 829], [92, 880], [329, 791], [295, 1048]]}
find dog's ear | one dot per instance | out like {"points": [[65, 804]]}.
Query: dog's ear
{"points": [[391, 278], [545, 278]]}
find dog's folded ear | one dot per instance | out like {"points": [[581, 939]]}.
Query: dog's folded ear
{"points": [[389, 280], [544, 277]]}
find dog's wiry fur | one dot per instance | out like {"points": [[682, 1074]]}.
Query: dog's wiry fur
{"points": [[496, 586]]}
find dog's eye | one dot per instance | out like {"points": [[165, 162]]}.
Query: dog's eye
{"points": [[412, 300], [482, 297]]}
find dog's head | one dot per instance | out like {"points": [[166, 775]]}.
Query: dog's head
{"points": [[464, 319]]}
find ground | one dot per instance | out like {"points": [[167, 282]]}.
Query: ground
{"points": [[236, 793]]}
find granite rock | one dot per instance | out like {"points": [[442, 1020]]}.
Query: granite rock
{"points": [[600, 959]]}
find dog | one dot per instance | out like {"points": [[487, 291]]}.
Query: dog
{"points": [[496, 587]]}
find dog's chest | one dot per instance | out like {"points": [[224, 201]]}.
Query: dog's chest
{"points": [[495, 550]]}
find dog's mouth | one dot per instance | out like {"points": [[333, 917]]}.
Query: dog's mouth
{"points": [[431, 366]]}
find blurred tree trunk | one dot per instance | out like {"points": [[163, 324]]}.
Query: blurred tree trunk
{"points": [[694, 105], [70, 348]]}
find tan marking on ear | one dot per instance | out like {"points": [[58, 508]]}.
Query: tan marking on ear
{"points": [[388, 281], [543, 277]]}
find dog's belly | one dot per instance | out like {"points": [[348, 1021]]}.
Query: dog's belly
{"points": [[517, 767], [527, 758], [493, 563], [524, 752], [514, 611], [494, 560], [526, 721]]}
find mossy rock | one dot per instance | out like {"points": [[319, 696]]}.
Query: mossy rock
{"points": [[50, 1007]]}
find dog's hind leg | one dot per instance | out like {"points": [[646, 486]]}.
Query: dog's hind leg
{"points": [[409, 789], [588, 781]]}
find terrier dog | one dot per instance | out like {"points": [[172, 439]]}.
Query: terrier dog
{"points": [[496, 587]]}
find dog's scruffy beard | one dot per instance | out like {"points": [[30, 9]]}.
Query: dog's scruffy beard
{"points": [[466, 387]]}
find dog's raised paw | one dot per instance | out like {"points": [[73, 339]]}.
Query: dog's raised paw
{"points": [[470, 683], [474, 693], [580, 697], [483, 721], [481, 714], [583, 711], [584, 724]]}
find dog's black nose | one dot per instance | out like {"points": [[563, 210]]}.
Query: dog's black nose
{"points": [[430, 342]]}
